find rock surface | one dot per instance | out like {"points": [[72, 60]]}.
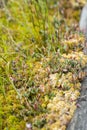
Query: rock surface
{"points": [[79, 120]]}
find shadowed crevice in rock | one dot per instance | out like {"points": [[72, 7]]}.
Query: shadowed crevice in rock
{"points": [[79, 120]]}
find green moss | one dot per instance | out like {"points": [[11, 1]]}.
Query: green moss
{"points": [[30, 34]]}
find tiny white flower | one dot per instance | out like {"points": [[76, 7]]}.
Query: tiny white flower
{"points": [[28, 125]]}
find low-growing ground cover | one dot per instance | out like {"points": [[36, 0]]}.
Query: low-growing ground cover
{"points": [[41, 66]]}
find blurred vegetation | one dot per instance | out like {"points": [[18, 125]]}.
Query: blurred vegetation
{"points": [[36, 36]]}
